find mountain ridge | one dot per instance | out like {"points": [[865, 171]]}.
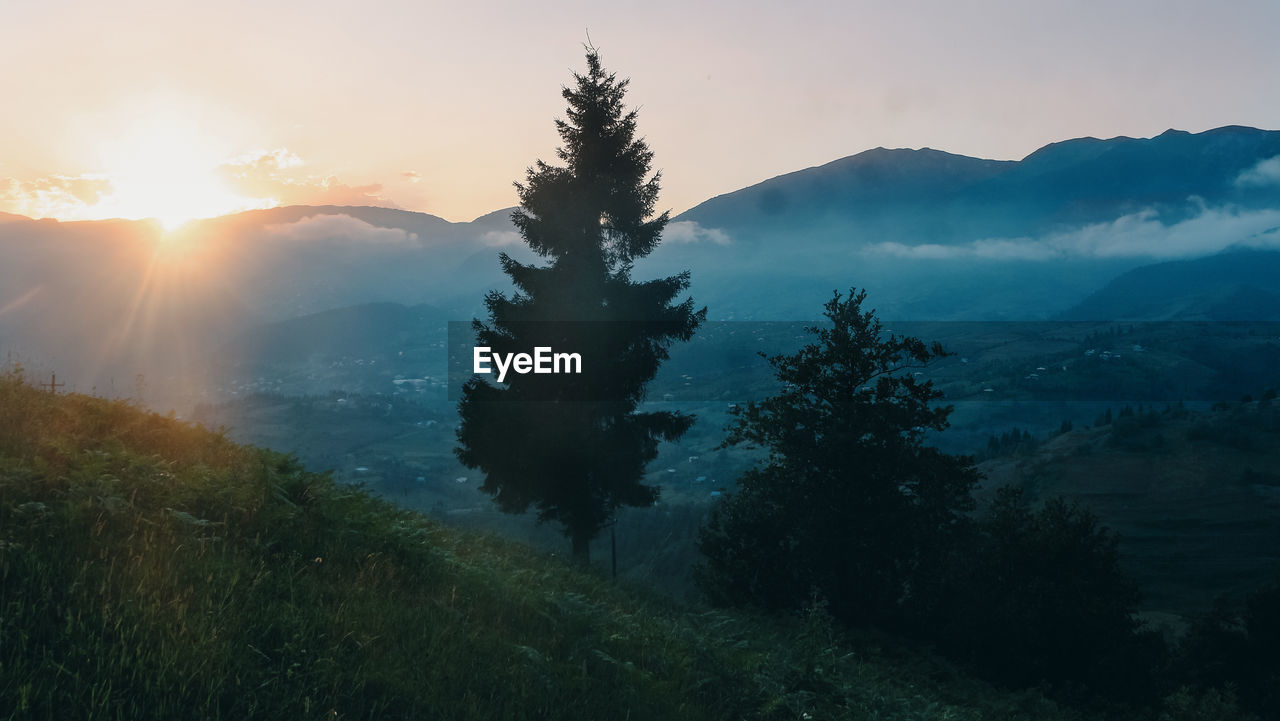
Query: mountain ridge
{"points": [[1073, 181], [910, 226], [1167, 165]]}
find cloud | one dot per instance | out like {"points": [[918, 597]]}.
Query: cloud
{"points": [[1265, 173], [268, 161], [57, 196], [688, 231], [273, 174], [498, 238], [339, 228], [1139, 235], [1000, 249], [258, 179], [412, 176]]}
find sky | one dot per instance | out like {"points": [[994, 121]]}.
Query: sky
{"points": [[173, 110]]}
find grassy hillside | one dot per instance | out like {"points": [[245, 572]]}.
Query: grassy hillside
{"points": [[152, 569]]}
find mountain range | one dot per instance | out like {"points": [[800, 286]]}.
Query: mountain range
{"points": [[930, 196], [1180, 225]]}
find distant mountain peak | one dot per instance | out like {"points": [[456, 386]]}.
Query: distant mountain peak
{"points": [[925, 195]]}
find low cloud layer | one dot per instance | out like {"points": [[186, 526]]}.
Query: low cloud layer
{"points": [[1139, 235], [688, 231], [1265, 174], [338, 229], [501, 238]]}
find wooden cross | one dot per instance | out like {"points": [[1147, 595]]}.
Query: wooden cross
{"points": [[53, 385]]}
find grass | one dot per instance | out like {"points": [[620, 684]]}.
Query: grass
{"points": [[152, 569]]}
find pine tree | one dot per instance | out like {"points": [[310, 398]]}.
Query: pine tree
{"points": [[573, 446]]}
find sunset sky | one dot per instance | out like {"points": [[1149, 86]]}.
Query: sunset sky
{"points": [[176, 110]]}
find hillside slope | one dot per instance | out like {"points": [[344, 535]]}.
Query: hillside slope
{"points": [[1194, 495], [151, 569], [1238, 285]]}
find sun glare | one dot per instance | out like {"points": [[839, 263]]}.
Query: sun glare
{"points": [[164, 169]]}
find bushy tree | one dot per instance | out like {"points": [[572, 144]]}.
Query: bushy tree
{"points": [[573, 446], [1038, 595], [850, 501], [1235, 647]]}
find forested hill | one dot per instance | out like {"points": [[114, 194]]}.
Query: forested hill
{"points": [[1194, 495], [1241, 285]]}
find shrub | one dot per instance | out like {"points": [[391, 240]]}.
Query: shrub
{"points": [[1040, 597]]}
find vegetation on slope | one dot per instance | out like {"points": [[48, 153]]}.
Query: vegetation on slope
{"points": [[153, 569], [1192, 493]]}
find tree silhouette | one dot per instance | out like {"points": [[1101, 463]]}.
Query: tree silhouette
{"points": [[849, 500], [1039, 595], [573, 446]]}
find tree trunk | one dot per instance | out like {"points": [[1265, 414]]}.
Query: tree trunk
{"points": [[582, 550]]}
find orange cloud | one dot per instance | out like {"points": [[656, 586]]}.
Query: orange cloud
{"points": [[260, 179], [273, 174], [54, 196]]}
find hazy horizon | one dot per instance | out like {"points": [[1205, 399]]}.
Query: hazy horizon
{"points": [[148, 110]]}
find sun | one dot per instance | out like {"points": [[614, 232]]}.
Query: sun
{"points": [[165, 168]]}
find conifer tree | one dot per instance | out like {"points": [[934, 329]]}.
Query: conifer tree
{"points": [[573, 446]]}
